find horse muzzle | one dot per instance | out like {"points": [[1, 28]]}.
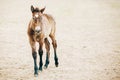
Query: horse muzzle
{"points": [[37, 29]]}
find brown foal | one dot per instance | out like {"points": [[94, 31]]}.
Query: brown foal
{"points": [[40, 27]]}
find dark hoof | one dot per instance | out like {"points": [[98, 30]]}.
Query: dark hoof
{"points": [[36, 74], [56, 64], [46, 66], [40, 69]]}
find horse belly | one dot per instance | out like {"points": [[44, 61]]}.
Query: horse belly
{"points": [[47, 31]]}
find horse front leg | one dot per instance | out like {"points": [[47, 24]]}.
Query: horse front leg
{"points": [[47, 46], [40, 54], [34, 55]]}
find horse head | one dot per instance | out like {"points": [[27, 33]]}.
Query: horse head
{"points": [[37, 17]]}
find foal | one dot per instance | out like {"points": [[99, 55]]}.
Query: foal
{"points": [[41, 27]]}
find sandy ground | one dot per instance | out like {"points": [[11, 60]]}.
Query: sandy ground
{"points": [[88, 36]]}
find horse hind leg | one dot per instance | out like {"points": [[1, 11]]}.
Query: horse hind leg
{"points": [[54, 43], [47, 46]]}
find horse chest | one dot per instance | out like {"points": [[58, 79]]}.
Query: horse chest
{"points": [[37, 38]]}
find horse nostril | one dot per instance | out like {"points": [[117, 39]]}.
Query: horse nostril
{"points": [[37, 31]]}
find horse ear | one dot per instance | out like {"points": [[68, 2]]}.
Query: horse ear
{"points": [[42, 10], [32, 8]]}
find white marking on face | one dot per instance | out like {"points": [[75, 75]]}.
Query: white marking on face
{"points": [[36, 15]]}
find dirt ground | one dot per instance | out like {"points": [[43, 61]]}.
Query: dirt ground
{"points": [[88, 36]]}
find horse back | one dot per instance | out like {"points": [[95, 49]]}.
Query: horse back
{"points": [[51, 22]]}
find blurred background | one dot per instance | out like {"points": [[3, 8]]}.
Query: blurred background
{"points": [[88, 37]]}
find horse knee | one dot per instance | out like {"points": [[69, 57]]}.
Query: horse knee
{"points": [[40, 52], [34, 54]]}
